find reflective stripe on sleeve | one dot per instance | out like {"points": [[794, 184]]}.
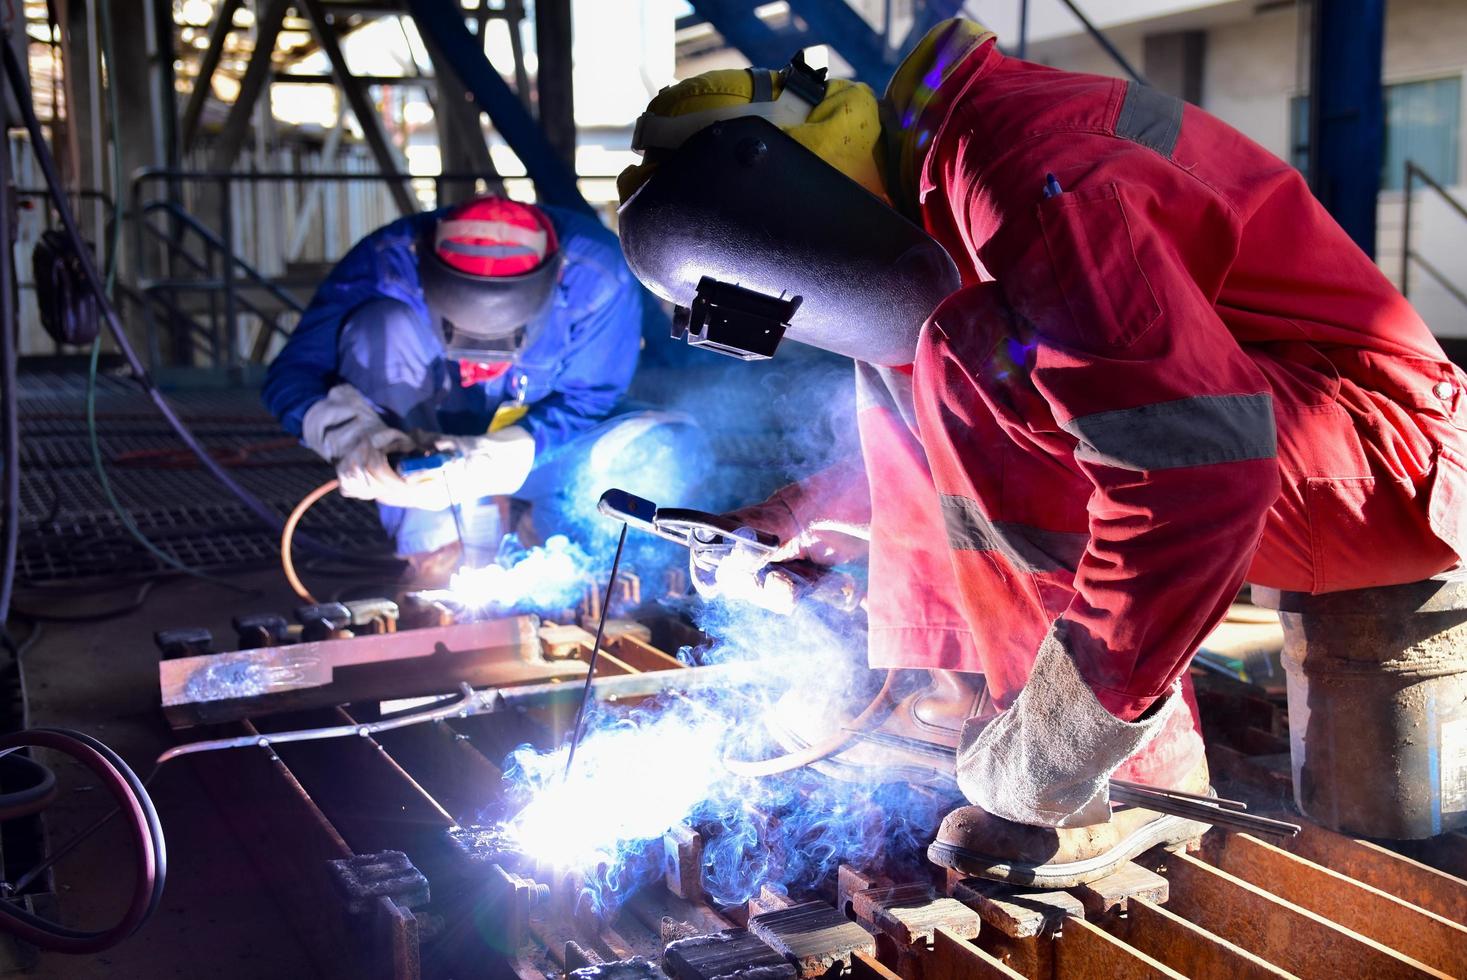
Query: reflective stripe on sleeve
{"points": [[1196, 431], [1028, 548]]}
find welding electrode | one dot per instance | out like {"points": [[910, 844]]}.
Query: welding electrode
{"points": [[570, 756]]}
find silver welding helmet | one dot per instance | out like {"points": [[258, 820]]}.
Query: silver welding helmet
{"points": [[754, 238], [486, 318]]}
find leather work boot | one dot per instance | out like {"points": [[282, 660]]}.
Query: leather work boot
{"points": [[915, 743], [974, 842]]}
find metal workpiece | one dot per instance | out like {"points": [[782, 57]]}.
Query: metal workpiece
{"points": [[731, 953], [814, 936], [364, 878]]}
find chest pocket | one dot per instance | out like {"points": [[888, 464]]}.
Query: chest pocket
{"points": [[1110, 302]]}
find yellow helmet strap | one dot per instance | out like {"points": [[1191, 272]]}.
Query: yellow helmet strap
{"points": [[802, 89]]}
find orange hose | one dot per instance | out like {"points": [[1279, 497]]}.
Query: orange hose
{"points": [[287, 535], [755, 768]]}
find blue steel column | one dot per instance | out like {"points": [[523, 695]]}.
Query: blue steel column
{"points": [[1347, 112], [443, 22]]}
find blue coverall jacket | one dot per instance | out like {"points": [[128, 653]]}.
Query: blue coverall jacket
{"points": [[569, 377]]}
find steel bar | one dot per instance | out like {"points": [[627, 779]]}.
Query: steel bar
{"points": [[1179, 795], [1203, 812]]}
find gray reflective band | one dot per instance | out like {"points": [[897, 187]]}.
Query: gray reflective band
{"points": [[1151, 118], [763, 82], [1028, 549], [1197, 431]]}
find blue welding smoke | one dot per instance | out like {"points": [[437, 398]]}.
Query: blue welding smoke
{"points": [[640, 771]]}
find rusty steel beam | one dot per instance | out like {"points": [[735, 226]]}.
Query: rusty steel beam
{"points": [[193, 109], [1084, 950], [954, 958], [1293, 938], [1433, 939], [1187, 947]]}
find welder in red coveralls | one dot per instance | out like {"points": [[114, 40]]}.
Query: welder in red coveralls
{"points": [[1165, 371]]}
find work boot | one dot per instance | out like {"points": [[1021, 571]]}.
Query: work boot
{"points": [[915, 743], [431, 569], [974, 842]]}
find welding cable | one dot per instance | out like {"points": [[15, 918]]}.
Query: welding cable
{"points": [[38, 793], [144, 829], [825, 748], [9, 340], [287, 538], [20, 89]]}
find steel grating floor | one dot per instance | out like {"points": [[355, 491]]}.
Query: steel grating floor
{"points": [[68, 530]]}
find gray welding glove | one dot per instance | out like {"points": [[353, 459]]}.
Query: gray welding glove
{"points": [[345, 430], [1048, 759]]}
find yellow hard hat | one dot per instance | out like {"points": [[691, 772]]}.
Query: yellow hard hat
{"points": [[842, 126]]}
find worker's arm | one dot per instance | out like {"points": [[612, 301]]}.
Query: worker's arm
{"points": [[302, 373], [382, 266], [599, 361], [1174, 428]]}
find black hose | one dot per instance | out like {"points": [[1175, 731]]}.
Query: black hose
{"points": [[11, 398], [21, 90]]}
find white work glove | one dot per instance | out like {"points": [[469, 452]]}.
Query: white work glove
{"points": [[345, 430], [1048, 759], [491, 465], [737, 571]]}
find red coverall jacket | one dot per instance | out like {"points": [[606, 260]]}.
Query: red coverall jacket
{"points": [[1177, 374]]}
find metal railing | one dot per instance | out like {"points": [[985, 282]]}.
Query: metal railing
{"points": [[189, 266], [1408, 254]]}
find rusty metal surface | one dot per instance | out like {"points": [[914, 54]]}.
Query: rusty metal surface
{"points": [[1324, 905]]}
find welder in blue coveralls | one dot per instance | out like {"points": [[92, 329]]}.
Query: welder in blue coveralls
{"points": [[504, 332]]}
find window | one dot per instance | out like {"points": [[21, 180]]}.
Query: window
{"points": [[1422, 124]]}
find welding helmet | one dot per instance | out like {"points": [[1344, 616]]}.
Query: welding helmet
{"points": [[489, 268], [755, 235]]}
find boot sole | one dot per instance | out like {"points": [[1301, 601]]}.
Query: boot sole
{"points": [[1166, 830]]}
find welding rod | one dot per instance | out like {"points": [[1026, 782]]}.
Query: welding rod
{"points": [[1210, 812], [575, 739], [1205, 809]]}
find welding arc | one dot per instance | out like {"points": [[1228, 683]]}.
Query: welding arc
{"points": [[570, 756], [287, 538], [144, 829], [824, 749]]}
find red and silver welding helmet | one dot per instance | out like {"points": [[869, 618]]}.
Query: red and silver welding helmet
{"points": [[489, 269], [754, 238]]}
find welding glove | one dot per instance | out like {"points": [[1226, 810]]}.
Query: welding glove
{"points": [[1048, 759], [490, 465], [345, 430]]}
